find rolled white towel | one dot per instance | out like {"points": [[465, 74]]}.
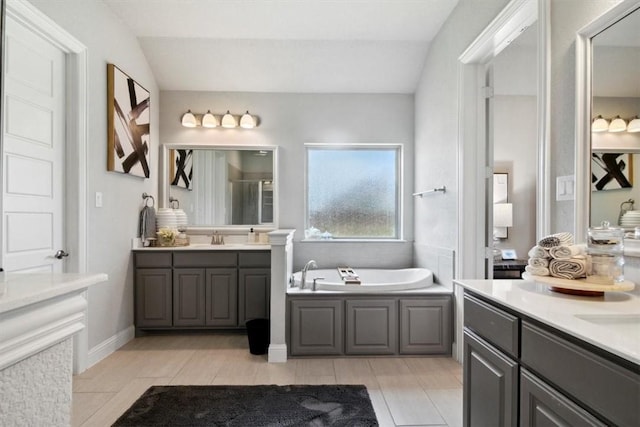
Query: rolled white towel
{"points": [[572, 268], [538, 252], [565, 238], [538, 262], [537, 271], [566, 251], [557, 239]]}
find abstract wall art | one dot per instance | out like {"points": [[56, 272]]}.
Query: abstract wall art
{"points": [[181, 171], [611, 171], [128, 124]]}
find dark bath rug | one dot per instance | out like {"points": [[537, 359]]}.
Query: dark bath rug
{"points": [[249, 406]]}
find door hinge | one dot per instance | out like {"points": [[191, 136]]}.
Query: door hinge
{"points": [[487, 92]]}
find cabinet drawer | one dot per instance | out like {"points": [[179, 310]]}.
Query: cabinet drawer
{"points": [[205, 259], [495, 325], [254, 259], [152, 259], [606, 388]]}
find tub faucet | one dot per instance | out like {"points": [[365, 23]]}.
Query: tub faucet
{"points": [[303, 275]]}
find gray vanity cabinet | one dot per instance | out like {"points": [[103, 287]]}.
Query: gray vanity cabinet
{"points": [[154, 299], [316, 327], [425, 326], [513, 362], [371, 326], [187, 289], [221, 295], [188, 297]]}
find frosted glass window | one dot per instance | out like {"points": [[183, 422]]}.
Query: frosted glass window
{"points": [[353, 193]]}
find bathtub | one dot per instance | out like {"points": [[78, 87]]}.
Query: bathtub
{"points": [[372, 280]]}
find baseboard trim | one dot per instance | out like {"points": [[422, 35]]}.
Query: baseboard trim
{"points": [[277, 353], [110, 345]]}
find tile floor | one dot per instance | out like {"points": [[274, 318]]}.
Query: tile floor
{"points": [[408, 391]]}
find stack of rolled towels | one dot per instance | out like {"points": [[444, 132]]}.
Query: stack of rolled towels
{"points": [[557, 256]]}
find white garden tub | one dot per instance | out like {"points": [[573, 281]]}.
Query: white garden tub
{"points": [[372, 280]]}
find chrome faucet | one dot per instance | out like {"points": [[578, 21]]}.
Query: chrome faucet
{"points": [[303, 275], [217, 239]]}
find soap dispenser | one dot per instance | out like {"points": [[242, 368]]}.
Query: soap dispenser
{"points": [[251, 237]]}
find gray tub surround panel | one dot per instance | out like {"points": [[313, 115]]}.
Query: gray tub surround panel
{"points": [[325, 323], [533, 356], [200, 289], [441, 261]]}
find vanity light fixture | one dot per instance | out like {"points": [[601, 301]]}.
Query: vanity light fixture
{"points": [[617, 125], [189, 120], [228, 121], [247, 121], [634, 125], [209, 120], [599, 124]]}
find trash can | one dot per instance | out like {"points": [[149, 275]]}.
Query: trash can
{"points": [[258, 334]]}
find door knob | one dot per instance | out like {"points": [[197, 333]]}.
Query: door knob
{"points": [[61, 254]]}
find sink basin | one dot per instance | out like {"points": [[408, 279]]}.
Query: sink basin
{"points": [[626, 323]]}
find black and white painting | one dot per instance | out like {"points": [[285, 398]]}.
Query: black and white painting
{"points": [[182, 168], [128, 123], [611, 171]]}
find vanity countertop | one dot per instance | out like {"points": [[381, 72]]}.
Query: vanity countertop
{"points": [[18, 290], [611, 322], [209, 247]]}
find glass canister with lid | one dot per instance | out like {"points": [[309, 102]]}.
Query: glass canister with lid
{"points": [[605, 247]]}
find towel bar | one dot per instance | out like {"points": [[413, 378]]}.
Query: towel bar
{"points": [[420, 194]]}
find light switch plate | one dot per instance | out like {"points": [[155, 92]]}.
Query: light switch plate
{"points": [[565, 187], [98, 199]]}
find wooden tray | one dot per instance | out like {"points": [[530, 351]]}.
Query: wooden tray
{"points": [[579, 286]]}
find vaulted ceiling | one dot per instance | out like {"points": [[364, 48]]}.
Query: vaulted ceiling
{"points": [[304, 46]]}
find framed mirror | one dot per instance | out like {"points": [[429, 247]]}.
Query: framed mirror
{"points": [[221, 186], [607, 84]]}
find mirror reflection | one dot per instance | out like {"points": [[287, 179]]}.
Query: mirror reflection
{"points": [[223, 187], [615, 143]]}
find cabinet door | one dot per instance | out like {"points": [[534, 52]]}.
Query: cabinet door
{"points": [[316, 327], [425, 326], [221, 297], [371, 327], [541, 405], [490, 393], [254, 293], [188, 297], [153, 297]]}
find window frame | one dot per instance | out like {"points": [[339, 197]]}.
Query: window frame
{"points": [[399, 214]]}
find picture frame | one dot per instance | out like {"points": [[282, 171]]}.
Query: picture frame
{"points": [[128, 124], [181, 168], [611, 171], [509, 254]]}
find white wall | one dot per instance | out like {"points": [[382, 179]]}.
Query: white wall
{"points": [[436, 153], [291, 120], [110, 228]]}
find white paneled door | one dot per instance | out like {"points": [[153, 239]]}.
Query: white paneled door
{"points": [[33, 152]]}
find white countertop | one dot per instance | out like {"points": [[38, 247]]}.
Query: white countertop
{"points": [[611, 322], [19, 290], [208, 247]]}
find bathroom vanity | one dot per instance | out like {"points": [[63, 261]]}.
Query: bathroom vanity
{"points": [[534, 357], [326, 323], [220, 287]]}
